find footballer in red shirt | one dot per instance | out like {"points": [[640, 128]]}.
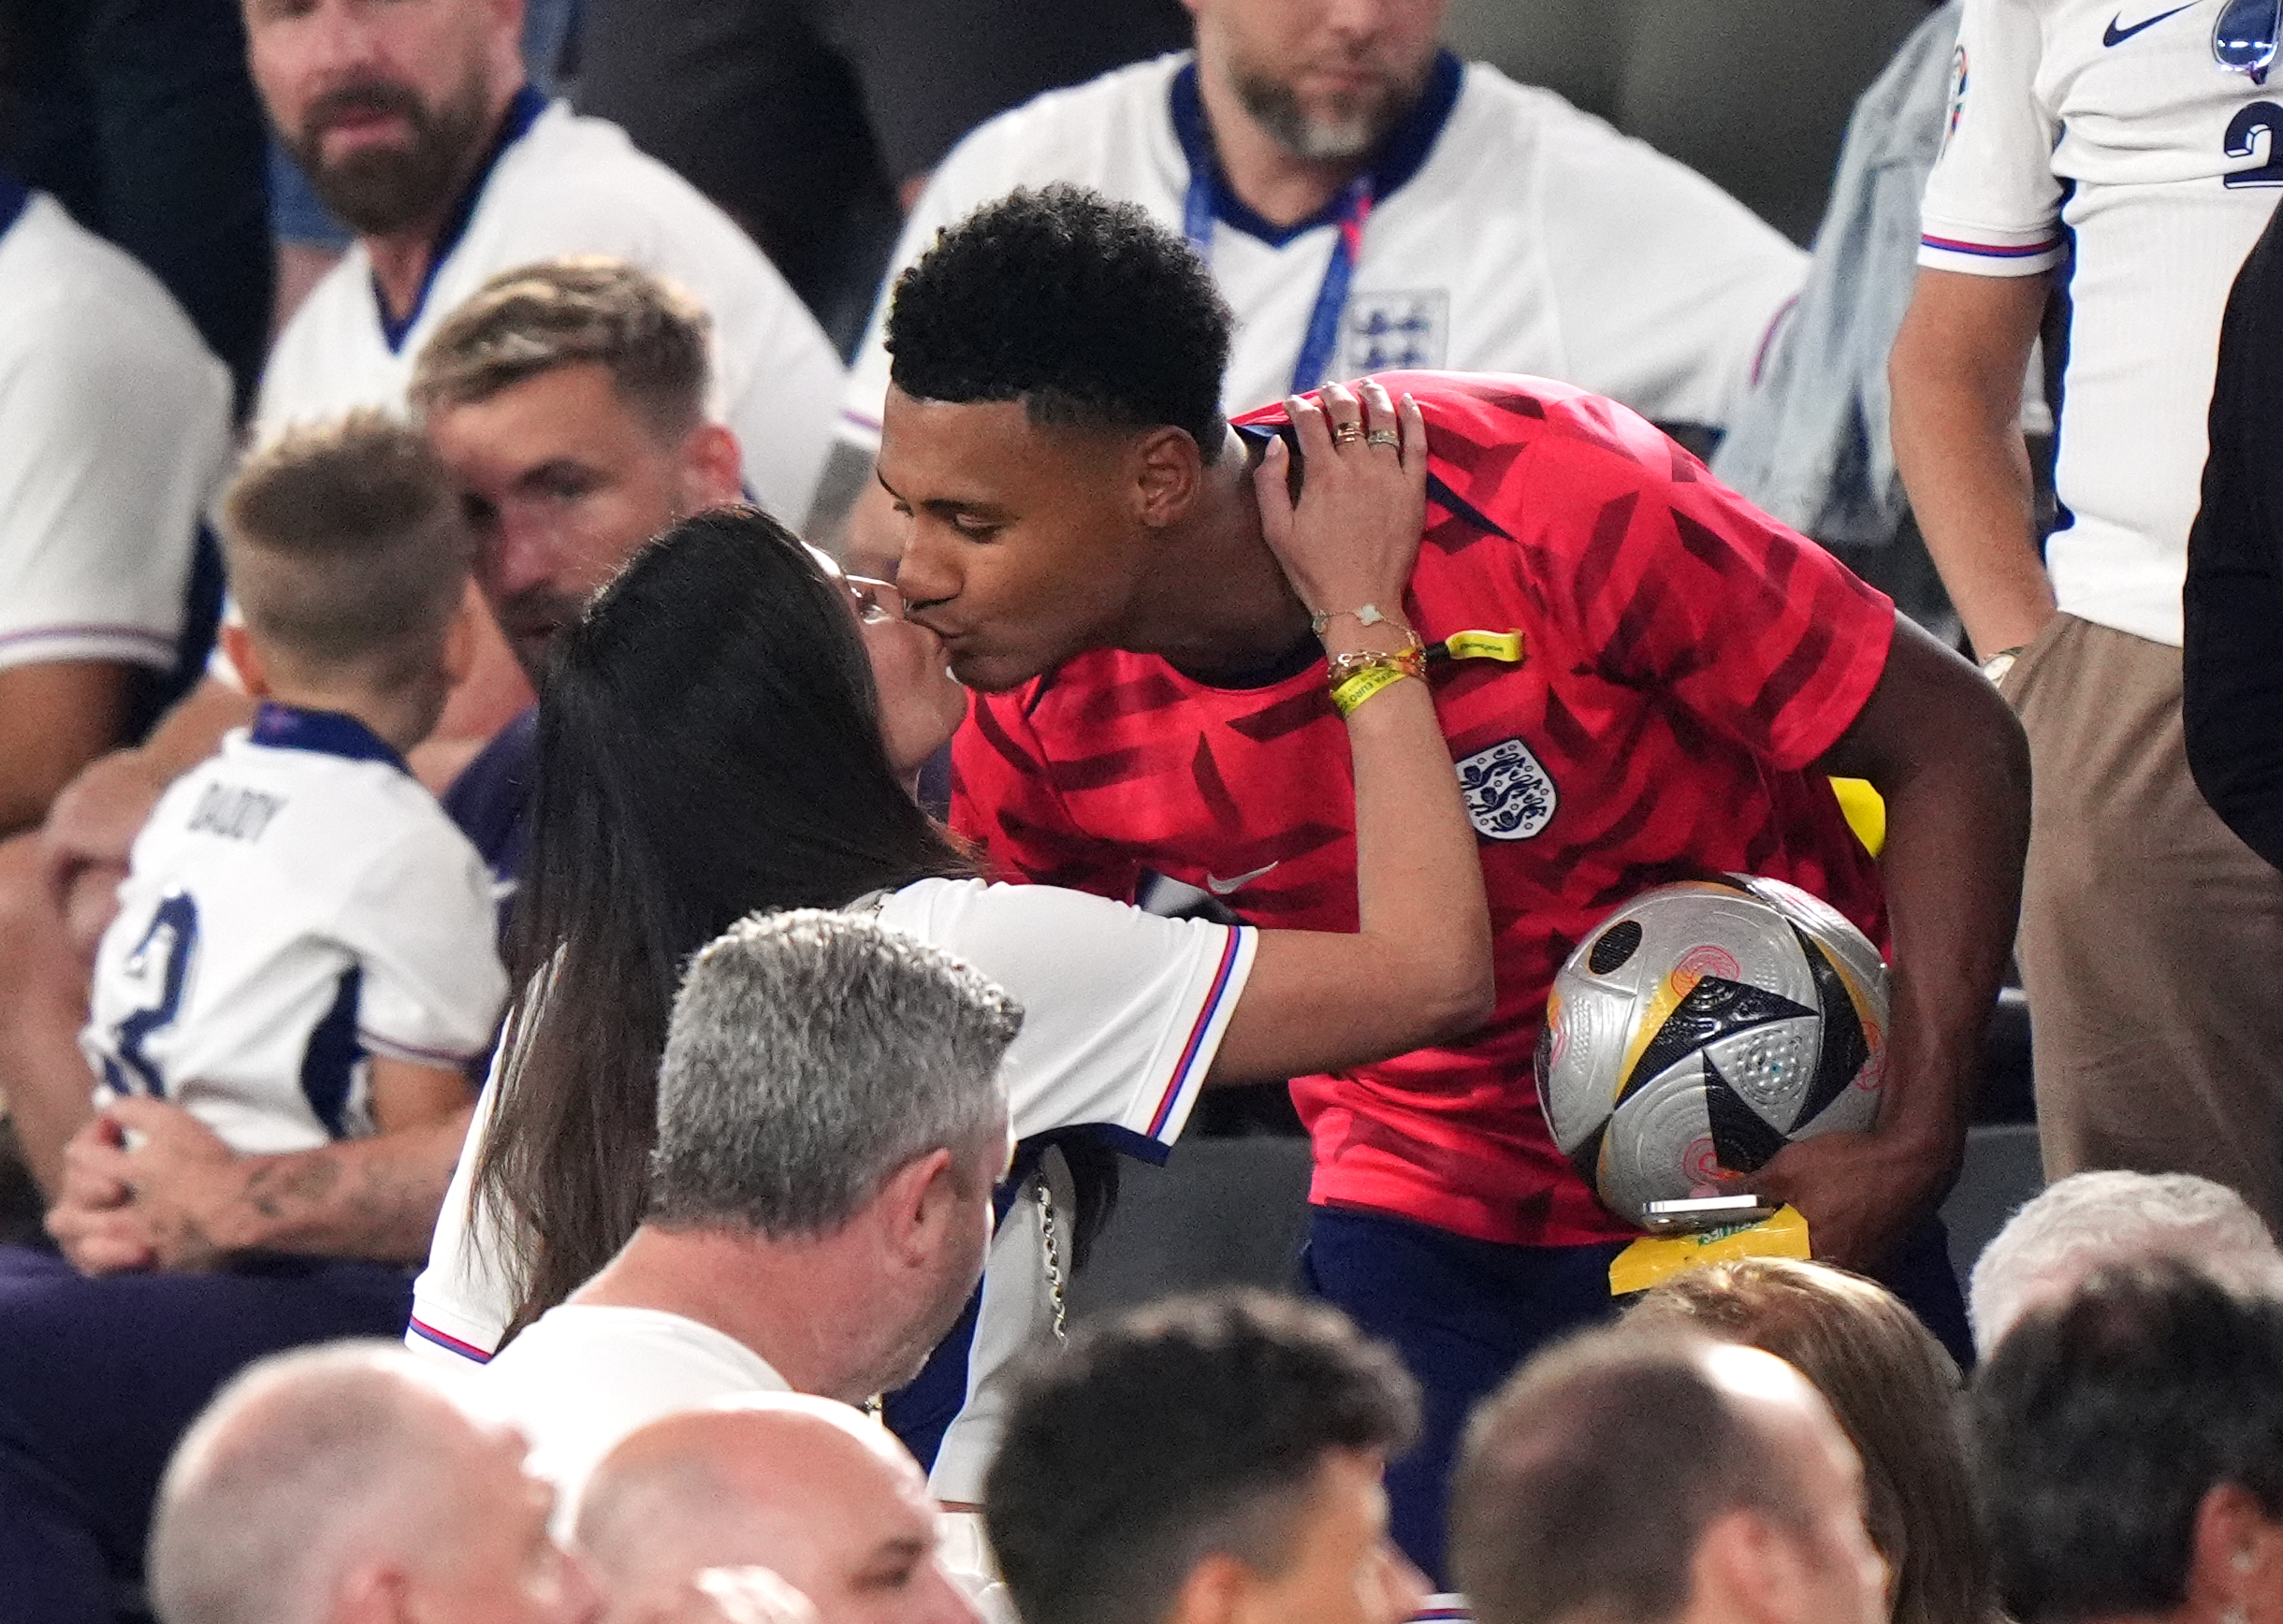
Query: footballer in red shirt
{"points": [[1081, 531]]}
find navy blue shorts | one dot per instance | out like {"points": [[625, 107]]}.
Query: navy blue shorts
{"points": [[98, 1378], [1464, 1314]]}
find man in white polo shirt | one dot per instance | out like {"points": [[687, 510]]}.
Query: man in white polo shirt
{"points": [[2135, 149], [1369, 202], [114, 422], [830, 1128]]}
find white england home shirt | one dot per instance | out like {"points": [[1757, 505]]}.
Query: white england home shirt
{"points": [[291, 905], [1123, 1013], [114, 428], [1509, 233], [2109, 122], [565, 184]]}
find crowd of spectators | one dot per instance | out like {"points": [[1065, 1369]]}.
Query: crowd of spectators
{"points": [[667, 669]]}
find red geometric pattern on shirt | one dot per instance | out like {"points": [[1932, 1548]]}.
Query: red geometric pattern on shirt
{"points": [[1688, 659]]}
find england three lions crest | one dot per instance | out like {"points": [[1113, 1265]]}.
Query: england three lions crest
{"points": [[1387, 332], [1509, 796]]}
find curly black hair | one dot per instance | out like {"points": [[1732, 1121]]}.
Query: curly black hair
{"points": [[1191, 1426], [1083, 308]]}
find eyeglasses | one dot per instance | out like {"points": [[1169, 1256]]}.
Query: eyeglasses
{"points": [[2244, 38], [873, 600]]}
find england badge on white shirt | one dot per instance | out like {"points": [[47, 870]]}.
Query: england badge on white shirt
{"points": [[1388, 332]]}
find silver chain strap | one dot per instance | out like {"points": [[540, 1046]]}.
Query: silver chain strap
{"points": [[1053, 1259]]}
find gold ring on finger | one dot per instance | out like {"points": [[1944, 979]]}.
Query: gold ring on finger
{"points": [[1346, 433]]}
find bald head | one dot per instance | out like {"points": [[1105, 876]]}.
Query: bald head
{"points": [[1591, 1483], [811, 1489], [322, 1475]]}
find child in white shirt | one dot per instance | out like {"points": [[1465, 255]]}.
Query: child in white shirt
{"points": [[304, 950]]}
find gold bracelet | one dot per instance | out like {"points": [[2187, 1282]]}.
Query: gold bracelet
{"points": [[1367, 614], [1349, 694], [1411, 659]]}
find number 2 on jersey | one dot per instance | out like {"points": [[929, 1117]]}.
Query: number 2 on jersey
{"points": [[2251, 121], [173, 932]]}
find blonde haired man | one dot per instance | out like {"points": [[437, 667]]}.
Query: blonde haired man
{"points": [[606, 369]]}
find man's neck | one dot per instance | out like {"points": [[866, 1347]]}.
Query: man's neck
{"points": [[791, 1303], [401, 260], [1216, 603], [1271, 180]]}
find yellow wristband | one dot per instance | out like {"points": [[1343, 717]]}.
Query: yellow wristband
{"points": [[1351, 691], [1500, 646]]}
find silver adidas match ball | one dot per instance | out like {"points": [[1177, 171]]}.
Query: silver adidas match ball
{"points": [[1701, 1028]]}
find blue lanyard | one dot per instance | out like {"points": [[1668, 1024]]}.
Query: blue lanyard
{"points": [[12, 200], [522, 112], [1322, 339]]}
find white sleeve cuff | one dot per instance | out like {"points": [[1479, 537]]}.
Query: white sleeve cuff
{"points": [[127, 645], [1981, 250]]}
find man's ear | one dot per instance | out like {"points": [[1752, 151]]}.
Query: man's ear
{"points": [[1214, 1592], [1747, 1568], [239, 648], [1167, 470], [916, 1205], [504, 40], [370, 1593], [713, 470], [2235, 1550]]}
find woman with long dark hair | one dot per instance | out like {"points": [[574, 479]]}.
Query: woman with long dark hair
{"points": [[720, 734]]}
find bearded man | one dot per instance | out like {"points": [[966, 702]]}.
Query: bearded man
{"points": [[1367, 201]]}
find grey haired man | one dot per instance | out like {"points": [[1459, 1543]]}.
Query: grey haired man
{"points": [[830, 1128]]}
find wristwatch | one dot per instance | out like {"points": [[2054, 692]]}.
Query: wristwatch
{"points": [[1997, 665]]}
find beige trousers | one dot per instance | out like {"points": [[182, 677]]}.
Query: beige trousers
{"points": [[2151, 943]]}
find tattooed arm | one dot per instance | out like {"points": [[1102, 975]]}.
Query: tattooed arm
{"points": [[180, 1200]]}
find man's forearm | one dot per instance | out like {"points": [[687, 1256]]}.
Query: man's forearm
{"points": [[56, 716], [1956, 372], [374, 1197], [1977, 515], [1949, 759], [1958, 826]]}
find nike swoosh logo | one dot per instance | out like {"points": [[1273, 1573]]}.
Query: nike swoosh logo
{"points": [[1220, 887], [2114, 36]]}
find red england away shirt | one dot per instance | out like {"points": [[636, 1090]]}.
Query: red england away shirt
{"points": [[1687, 658]]}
